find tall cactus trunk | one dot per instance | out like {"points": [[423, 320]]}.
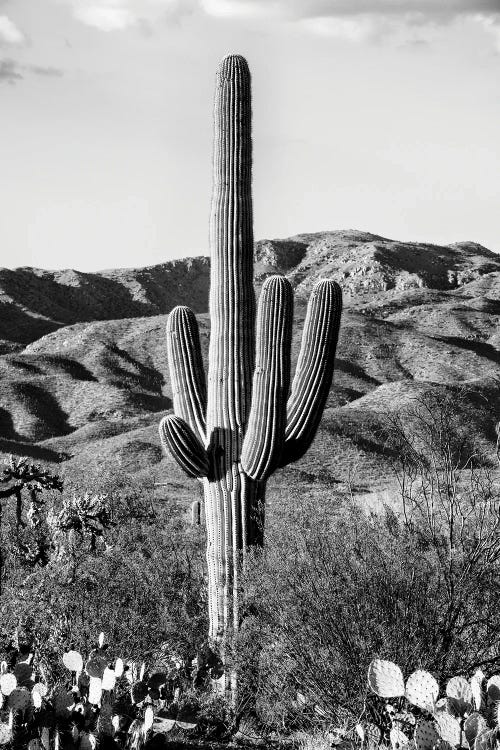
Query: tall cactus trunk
{"points": [[248, 425], [229, 533], [232, 351]]}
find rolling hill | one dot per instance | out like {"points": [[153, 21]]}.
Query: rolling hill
{"points": [[84, 377]]}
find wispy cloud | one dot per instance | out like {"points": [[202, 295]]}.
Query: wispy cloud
{"points": [[444, 9], [41, 70], [104, 18], [9, 71], [9, 32], [12, 71], [406, 21], [361, 20], [491, 24], [118, 15]]}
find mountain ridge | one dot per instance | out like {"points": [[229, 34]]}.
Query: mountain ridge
{"points": [[35, 301], [90, 392]]}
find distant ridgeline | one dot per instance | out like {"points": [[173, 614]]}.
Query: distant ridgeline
{"points": [[83, 364]]}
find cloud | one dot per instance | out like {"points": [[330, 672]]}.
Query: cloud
{"points": [[403, 21], [9, 71], [491, 25], [106, 19], [118, 15], [9, 32], [241, 8], [352, 8], [40, 70], [407, 29]]}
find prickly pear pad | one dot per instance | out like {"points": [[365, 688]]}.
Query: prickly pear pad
{"points": [[422, 690], [426, 735], [386, 679]]}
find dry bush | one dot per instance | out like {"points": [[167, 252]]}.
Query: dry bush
{"points": [[337, 586], [144, 584]]}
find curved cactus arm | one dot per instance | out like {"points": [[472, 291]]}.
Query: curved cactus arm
{"points": [[186, 368], [265, 435], [314, 372], [182, 443]]}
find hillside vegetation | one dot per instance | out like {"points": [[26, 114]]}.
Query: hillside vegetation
{"points": [[97, 531], [84, 377]]}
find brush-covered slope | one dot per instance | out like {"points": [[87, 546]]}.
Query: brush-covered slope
{"points": [[34, 302], [90, 391]]}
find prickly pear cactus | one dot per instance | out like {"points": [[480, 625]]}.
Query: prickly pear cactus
{"points": [[466, 717], [448, 728], [426, 735], [422, 690], [234, 434], [474, 726], [386, 679], [460, 696]]}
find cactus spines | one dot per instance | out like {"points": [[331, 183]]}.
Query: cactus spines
{"points": [[265, 434], [448, 728], [243, 429], [314, 373], [474, 725], [187, 374], [426, 735], [232, 298], [386, 679], [422, 690], [178, 437]]}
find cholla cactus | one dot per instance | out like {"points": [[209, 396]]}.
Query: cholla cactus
{"points": [[18, 474], [19, 477], [235, 434], [87, 515]]}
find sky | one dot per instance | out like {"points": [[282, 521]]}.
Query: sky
{"points": [[377, 115]]}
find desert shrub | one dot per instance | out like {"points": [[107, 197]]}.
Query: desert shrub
{"points": [[417, 582], [141, 580], [331, 590]]}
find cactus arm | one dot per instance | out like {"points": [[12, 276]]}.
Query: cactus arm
{"points": [[182, 443], [314, 372], [186, 369], [265, 435], [232, 299]]}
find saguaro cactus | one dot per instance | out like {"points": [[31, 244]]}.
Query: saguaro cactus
{"points": [[234, 434]]}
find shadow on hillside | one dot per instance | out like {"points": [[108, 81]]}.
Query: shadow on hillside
{"points": [[30, 450], [115, 360], [478, 347], [351, 368], [7, 429], [69, 366], [43, 416]]}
